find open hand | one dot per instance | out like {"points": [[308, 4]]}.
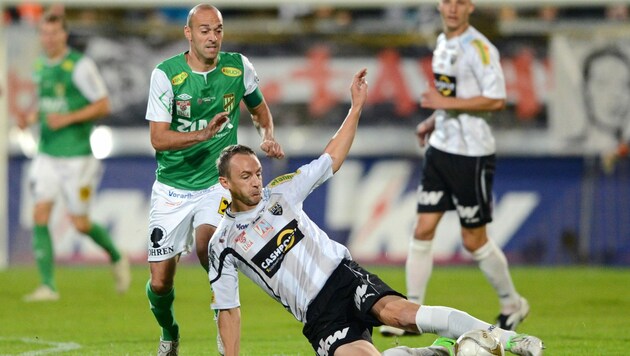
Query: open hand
{"points": [[359, 88], [216, 124]]}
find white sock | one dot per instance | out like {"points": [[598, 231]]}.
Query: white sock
{"points": [[418, 267], [452, 323], [494, 266]]}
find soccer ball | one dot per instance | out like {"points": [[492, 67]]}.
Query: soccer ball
{"points": [[478, 343]]}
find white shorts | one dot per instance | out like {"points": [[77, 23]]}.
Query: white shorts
{"points": [[176, 213], [73, 178]]}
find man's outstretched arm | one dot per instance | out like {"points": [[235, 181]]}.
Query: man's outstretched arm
{"points": [[339, 145]]}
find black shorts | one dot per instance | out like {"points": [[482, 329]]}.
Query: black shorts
{"points": [[341, 312], [455, 182]]}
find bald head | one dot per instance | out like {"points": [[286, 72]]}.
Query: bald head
{"points": [[200, 7]]}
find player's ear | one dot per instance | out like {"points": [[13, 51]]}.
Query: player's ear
{"points": [[224, 183], [187, 33]]}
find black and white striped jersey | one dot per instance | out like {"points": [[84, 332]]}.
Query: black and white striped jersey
{"points": [[276, 245]]}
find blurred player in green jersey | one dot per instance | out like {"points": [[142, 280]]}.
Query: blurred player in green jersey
{"points": [[71, 96]]}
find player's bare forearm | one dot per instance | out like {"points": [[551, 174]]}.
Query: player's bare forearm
{"points": [[165, 139], [263, 121], [92, 111], [432, 99], [339, 145], [230, 330]]}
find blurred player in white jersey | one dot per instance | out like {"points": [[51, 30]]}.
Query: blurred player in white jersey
{"points": [[459, 164], [267, 236]]}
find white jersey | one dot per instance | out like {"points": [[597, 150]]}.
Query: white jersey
{"points": [[276, 245], [466, 66]]}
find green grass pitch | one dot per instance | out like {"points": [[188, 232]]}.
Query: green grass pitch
{"points": [[576, 311]]}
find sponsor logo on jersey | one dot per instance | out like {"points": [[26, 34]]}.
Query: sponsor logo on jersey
{"points": [[283, 178], [229, 102], [324, 344], [276, 209], [190, 126], [445, 84], [67, 65], [242, 226], [157, 238], [183, 108], [243, 242], [231, 71], [60, 90], [174, 194], [184, 96], [54, 104], [85, 193], [269, 258], [223, 205], [206, 100], [263, 228], [179, 78]]}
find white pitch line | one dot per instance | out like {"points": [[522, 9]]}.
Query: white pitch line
{"points": [[54, 346]]}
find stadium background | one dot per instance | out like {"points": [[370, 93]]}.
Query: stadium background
{"points": [[557, 203]]}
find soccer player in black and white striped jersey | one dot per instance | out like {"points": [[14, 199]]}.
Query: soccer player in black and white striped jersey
{"points": [[268, 237]]}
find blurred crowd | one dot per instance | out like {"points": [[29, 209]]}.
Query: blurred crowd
{"points": [[299, 30]]}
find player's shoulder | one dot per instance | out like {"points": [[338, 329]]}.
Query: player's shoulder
{"points": [[472, 38], [177, 61], [74, 54], [231, 63], [72, 57], [476, 45], [231, 56], [282, 179], [220, 235]]}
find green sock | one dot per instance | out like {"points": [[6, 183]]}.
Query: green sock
{"points": [[43, 250], [162, 308], [100, 235]]}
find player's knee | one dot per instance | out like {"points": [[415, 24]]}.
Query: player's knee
{"points": [[394, 314], [41, 214], [423, 234], [473, 241], [161, 286]]}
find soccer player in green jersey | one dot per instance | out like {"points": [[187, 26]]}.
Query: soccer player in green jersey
{"points": [[193, 110], [71, 95]]}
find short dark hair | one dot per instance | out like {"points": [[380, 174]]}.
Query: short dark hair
{"points": [[56, 18], [223, 162]]}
